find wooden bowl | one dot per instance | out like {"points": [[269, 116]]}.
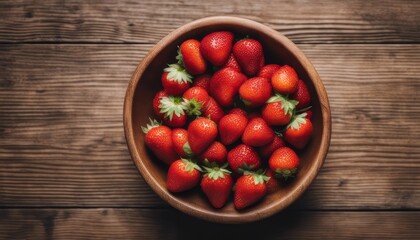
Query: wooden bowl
{"points": [[145, 82]]}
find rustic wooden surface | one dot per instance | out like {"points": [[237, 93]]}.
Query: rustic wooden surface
{"points": [[65, 171]]}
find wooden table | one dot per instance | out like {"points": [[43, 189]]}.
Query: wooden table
{"points": [[65, 171]]}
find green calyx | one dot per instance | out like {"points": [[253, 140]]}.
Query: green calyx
{"points": [[193, 107], [285, 173], [259, 176], [190, 165], [297, 120], [177, 72], [245, 167], [180, 58], [187, 149], [287, 104], [153, 123], [216, 172], [172, 105]]}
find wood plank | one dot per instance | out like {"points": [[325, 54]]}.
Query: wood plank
{"points": [[62, 140], [148, 21], [108, 223]]}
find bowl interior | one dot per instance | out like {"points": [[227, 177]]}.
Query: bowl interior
{"points": [[147, 82]]}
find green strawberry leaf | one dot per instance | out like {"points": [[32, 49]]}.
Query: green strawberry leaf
{"points": [[180, 58], [216, 172], [153, 123], [297, 120], [193, 107], [287, 104], [172, 105], [190, 165], [178, 73], [285, 173], [187, 149]]}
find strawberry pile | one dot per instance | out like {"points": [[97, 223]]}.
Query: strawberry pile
{"points": [[226, 118]]}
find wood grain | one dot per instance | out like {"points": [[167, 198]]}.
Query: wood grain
{"points": [[148, 21], [108, 223], [62, 140]]}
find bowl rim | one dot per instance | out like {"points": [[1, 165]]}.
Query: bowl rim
{"points": [[216, 216]]}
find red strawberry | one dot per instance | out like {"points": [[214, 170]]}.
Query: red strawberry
{"points": [[243, 157], [202, 81], [224, 85], [213, 110], [216, 153], [302, 95], [156, 102], [273, 185], [231, 127], [217, 185], [175, 79], [255, 91], [182, 176], [180, 141], [195, 98], [216, 47], [158, 139], [268, 70], [309, 114], [201, 133], [238, 111], [232, 63], [284, 162], [249, 189], [285, 80], [174, 111], [257, 133], [299, 131], [191, 57], [250, 56], [278, 110], [266, 151]]}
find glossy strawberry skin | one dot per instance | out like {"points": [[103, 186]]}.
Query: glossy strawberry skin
{"points": [[200, 94], [257, 133], [309, 114], [299, 137], [273, 185], [176, 121], [266, 151], [217, 191], [268, 70], [156, 103], [202, 81], [216, 47], [232, 63], [212, 110], [201, 133], [231, 127], [216, 153], [173, 87], [224, 86], [158, 139], [241, 157], [274, 115], [302, 95], [284, 162], [193, 60], [247, 192], [179, 139], [180, 179], [250, 56], [285, 80], [254, 92], [239, 111]]}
